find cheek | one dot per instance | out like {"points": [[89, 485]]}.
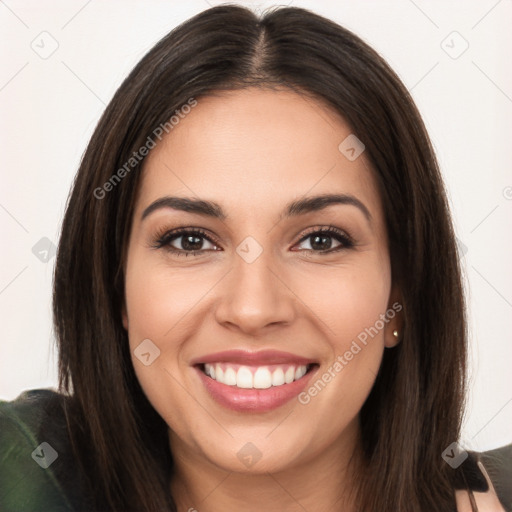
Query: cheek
{"points": [[161, 306], [347, 301], [160, 300], [350, 306]]}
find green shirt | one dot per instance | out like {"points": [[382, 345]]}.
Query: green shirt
{"points": [[35, 457]]}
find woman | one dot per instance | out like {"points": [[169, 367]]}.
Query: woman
{"points": [[257, 295]]}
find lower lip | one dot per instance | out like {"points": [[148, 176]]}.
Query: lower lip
{"points": [[254, 400]]}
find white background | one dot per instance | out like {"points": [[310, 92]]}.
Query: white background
{"points": [[49, 108]]}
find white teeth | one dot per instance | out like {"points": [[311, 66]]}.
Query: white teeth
{"points": [[289, 375], [278, 377], [299, 372], [209, 370], [246, 378], [219, 373], [230, 377], [262, 378]]}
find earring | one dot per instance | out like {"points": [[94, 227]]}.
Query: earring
{"points": [[395, 333]]}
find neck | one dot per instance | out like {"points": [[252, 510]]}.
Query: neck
{"points": [[324, 483]]}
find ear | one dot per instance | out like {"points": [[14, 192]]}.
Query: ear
{"points": [[393, 332]]}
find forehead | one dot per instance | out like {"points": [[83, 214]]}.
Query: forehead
{"points": [[254, 147]]}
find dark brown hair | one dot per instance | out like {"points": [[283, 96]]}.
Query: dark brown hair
{"points": [[415, 407]]}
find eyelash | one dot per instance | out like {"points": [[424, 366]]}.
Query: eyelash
{"points": [[164, 238]]}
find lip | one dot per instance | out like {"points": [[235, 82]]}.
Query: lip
{"points": [[254, 400], [248, 358]]}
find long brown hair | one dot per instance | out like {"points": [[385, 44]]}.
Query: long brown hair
{"points": [[415, 407]]}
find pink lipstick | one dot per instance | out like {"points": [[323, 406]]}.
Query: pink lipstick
{"points": [[254, 381]]}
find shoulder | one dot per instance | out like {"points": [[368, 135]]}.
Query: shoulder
{"points": [[488, 476], [35, 454]]}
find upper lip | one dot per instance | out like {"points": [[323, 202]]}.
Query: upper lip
{"points": [[261, 357]]}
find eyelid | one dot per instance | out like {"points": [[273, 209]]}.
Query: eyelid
{"points": [[325, 229], [168, 233]]}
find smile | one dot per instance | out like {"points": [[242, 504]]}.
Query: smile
{"points": [[253, 381]]}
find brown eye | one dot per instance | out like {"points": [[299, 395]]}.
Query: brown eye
{"points": [[321, 240], [192, 242]]}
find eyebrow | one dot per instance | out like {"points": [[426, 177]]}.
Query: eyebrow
{"points": [[293, 209]]}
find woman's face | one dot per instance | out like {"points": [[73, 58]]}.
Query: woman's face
{"points": [[267, 294]]}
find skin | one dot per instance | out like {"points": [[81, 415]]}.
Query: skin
{"points": [[253, 151]]}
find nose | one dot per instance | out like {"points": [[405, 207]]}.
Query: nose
{"points": [[255, 297]]}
